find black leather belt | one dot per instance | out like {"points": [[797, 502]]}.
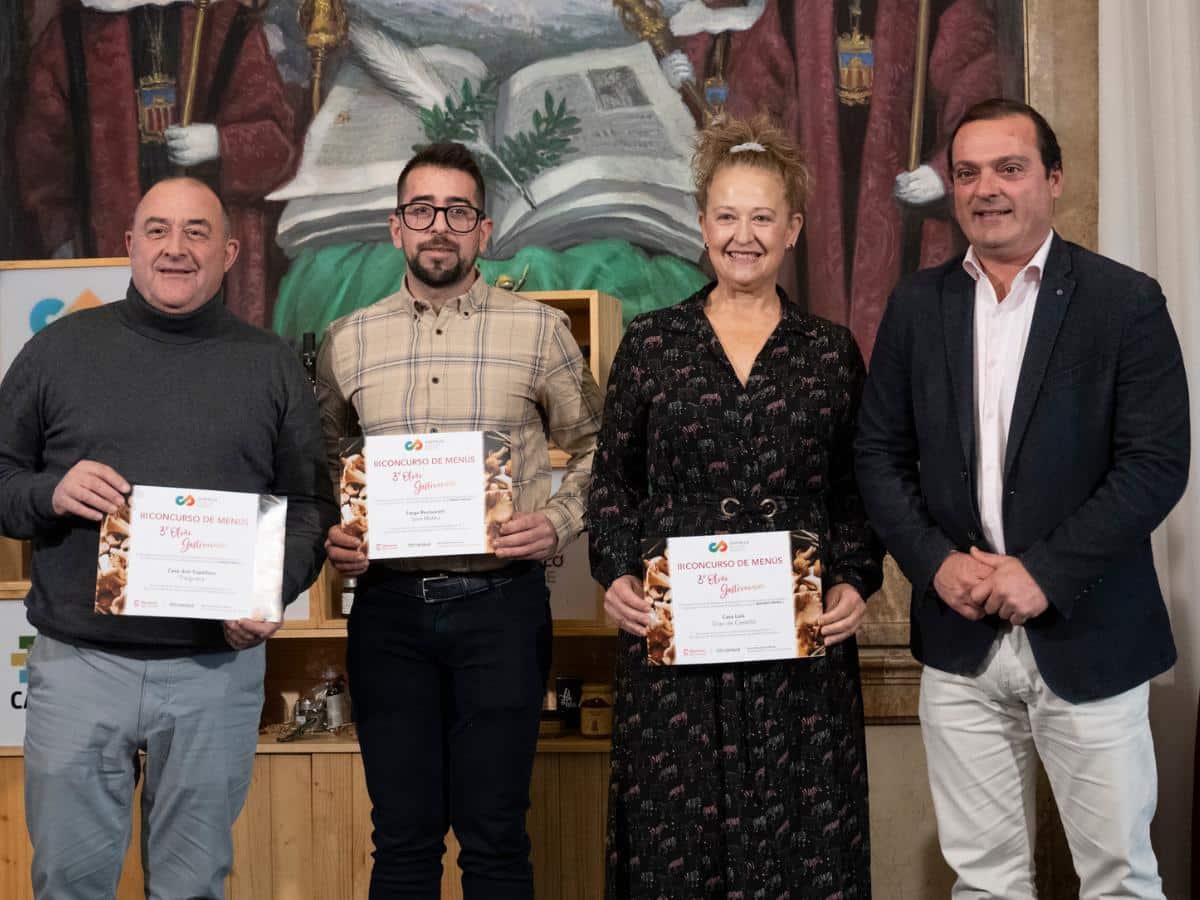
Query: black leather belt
{"points": [[438, 587]]}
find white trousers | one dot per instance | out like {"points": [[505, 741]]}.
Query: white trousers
{"points": [[981, 733]]}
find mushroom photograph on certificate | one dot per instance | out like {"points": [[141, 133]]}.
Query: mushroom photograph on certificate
{"points": [[437, 494], [733, 598]]}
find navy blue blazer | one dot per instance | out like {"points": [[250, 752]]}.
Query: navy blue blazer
{"points": [[1097, 456]]}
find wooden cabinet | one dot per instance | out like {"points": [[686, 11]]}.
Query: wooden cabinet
{"points": [[305, 831]]}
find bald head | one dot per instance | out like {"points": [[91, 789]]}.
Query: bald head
{"points": [[180, 246], [199, 185]]}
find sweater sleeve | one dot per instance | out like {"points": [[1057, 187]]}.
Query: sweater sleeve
{"points": [[26, 489], [301, 476], [572, 403]]}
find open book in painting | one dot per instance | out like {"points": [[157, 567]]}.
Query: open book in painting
{"points": [[585, 146]]}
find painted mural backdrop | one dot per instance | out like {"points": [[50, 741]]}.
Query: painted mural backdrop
{"points": [[582, 113]]}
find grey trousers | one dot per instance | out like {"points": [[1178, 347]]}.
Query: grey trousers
{"points": [[196, 719]]}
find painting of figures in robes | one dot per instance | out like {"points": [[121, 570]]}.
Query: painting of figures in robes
{"points": [[582, 115]]}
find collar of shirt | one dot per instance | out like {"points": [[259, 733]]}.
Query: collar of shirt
{"points": [[1032, 271], [467, 302]]}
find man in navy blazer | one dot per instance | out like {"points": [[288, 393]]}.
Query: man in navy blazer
{"points": [[1023, 430]]}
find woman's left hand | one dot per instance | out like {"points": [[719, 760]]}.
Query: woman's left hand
{"points": [[844, 612]]}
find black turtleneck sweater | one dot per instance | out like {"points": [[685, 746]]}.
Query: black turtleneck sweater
{"points": [[200, 400]]}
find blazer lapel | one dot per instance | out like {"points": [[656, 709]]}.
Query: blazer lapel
{"points": [[1053, 297], [958, 323]]}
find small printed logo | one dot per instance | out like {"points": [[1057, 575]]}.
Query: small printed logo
{"points": [[413, 445], [185, 500], [20, 659], [48, 309], [718, 547], [44, 312]]}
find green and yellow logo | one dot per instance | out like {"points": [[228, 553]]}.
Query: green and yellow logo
{"points": [[19, 699], [20, 659]]}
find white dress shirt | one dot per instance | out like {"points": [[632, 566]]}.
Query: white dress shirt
{"points": [[1001, 332]]}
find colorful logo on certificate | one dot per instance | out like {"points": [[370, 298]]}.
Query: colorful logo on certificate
{"points": [[718, 547], [413, 445], [185, 500]]}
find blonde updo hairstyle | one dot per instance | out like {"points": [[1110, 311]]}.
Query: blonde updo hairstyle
{"points": [[780, 154]]}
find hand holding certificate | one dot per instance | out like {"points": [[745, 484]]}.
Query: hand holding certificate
{"points": [[187, 553], [438, 494], [733, 598]]}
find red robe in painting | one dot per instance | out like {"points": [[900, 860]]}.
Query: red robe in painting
{"points": [[794, 78], [254, 121]]}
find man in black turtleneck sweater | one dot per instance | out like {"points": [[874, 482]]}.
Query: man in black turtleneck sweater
{"points": [[165, 387]]}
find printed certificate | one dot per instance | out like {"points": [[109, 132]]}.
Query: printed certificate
{"points": [[733, 598], [441, 494], [193, 554]]}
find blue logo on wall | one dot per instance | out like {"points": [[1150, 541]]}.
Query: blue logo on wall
{"points": [[44, 312]]}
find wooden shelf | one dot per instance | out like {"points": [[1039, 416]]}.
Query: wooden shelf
{"points": [[13, 590], [579, 628], [321, 742], [562, 628], [348, 743], [328, 631], [574, 743]]}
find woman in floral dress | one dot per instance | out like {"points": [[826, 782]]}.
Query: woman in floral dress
{"points": [[733, 411]]}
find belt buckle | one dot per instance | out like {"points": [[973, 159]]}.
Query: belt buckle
{"points": [[425, 587]]}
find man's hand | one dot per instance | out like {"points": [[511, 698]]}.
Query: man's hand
{"points": [[625, 603], [956, 578], [190, 145], [90, 490], [242, 634], [844, 612], [1010, 591], [527, 536], [347, 552]]}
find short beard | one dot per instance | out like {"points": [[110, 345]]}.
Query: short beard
{"points": [[436, 278]]}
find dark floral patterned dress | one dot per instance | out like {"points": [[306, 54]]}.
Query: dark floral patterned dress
{"points": [[734, 781]]}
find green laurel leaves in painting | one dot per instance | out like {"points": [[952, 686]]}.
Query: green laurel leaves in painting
{"points": [[526, 154], [529, 153], [460, 120]]}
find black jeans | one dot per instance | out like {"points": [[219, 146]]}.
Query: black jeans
{"points": [[447, 697]]}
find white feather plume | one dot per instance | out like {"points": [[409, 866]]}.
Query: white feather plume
{"points": [[405, 71], [408, 73]]}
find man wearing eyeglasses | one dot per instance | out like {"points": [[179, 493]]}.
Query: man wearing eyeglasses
{"points": [[448, 656]]}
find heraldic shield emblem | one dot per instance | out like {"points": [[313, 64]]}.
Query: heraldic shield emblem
{"points": [[156, 97]]}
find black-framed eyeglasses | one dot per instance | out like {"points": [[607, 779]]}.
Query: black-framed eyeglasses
{"points": [[460, 217]]}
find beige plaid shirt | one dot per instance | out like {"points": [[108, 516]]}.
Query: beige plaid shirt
{"points": [[489, 360]]}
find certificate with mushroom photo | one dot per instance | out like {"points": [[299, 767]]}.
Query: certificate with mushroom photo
{"points": [[436, 494], [196, 554], [733, 598]]}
